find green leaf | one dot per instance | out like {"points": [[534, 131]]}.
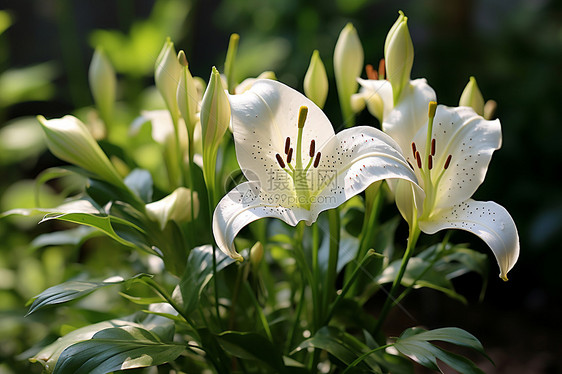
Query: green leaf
{"points": [[74, 237], [414, 343], [140, 182], [72, 290], [117, 348], [198, 272], [341, 345], [252, 346]]}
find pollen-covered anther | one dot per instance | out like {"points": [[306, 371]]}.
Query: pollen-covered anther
{"points": [[414, 149], [430, 162], [290, 155], [317, 160], [433, 147], [432, 107], [287, 145], [447, 162], [280, 161], [371, 72], [312, 148], [418, 160]]}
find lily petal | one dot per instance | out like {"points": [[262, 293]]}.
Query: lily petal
{"points": [[246, 203], [263, 117], [489, 221], [470, 140], [358, 157], [377, 94]]}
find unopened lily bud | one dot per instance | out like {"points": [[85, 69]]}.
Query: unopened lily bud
{"points": [[174, 207], [215, 119], [472, 97], [256, 254], [187, 96], [490, 109], [316, 80], [167, 75], [357, 102], [70, 140], [103, 84], [348, 63], [399, 56]]}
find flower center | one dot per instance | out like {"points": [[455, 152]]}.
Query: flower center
{"points": [[297, 173], [425, 163]]}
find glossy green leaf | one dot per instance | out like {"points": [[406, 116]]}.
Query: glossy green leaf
{"points": [[74, 237], [415, 343], [140, 182], [72, 290], [117, 348]]}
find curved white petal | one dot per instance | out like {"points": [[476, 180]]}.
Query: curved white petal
{"points": [[410, 113], [247, 203], [263, 117], [488, 220], [470, 140], [356, 158], [377, 94]]}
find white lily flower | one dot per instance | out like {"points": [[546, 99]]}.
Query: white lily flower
{"points": [[450, 155], [295, 164]]}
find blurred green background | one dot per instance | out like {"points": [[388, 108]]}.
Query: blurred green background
{"points": [[512, 47]]}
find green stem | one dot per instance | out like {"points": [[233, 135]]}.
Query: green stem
{"points": [[259, 311], [390, 300], [292, 332], [331, 273]]}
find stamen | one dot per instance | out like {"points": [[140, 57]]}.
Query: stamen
{"points": [[287, 144], [381, 68], [290, 155], [430, 162], [317, 160], [414, 149], [371, 72], [418, 159], [432, 108], [312, 148], [433, 147], [280, 161], [303, 111], [447, 162]]}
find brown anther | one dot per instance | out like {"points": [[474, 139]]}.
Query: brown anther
{"points": [[287, 144], [447, 162], [433, 147], [312, 148], [430, 162], [381, 68], [418, 160], [290, 155], [414, 149], [280, 161], [371, 72], [317, 160]]}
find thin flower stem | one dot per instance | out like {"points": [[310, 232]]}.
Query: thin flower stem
{"points": [[331, 273], [259, 311], [390, 300], [292, 332]]}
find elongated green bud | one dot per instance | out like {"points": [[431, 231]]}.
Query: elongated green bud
{"points": [[187, 95], [399, 56], [316, 80], [348, 63], [70, 140], [174, 207], [167, 75], [103, 85], [472, 97], [229, 62]]}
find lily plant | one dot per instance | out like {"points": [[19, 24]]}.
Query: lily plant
{"points": [[296, 166]]}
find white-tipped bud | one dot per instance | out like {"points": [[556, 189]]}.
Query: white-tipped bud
{"points": [[256, 254], [316, 80], [215, 120], [103, 84], [167, 72], [490, 109], [187, 95], [70, 140], [399, 56], [174, 207], [348, 63], [472, 97]]}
